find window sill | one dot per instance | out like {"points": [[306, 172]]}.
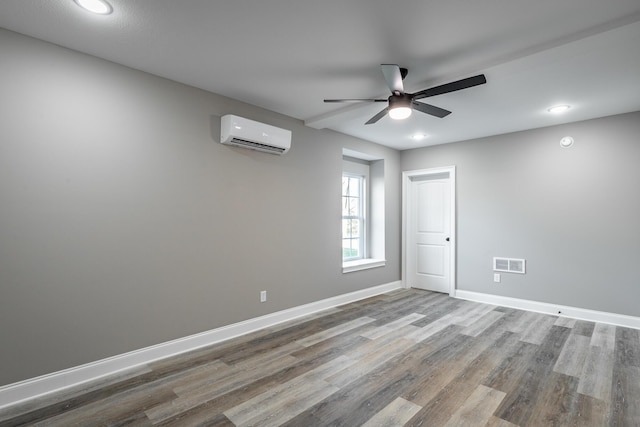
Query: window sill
{"points": [[362, 264]]}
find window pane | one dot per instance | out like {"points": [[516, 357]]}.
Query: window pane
{"points": [[345, 206], [351, 185], [350, 206], [345, 229], [350, 248], [355, 228], [350, 228], [345, 185], [354, 186], [354, 206], [352, 218]]}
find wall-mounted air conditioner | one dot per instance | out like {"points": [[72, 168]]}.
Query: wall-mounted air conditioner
{"points": [[247, 133]]}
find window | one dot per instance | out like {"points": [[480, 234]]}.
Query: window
{"points": [[362, 212], [353, 219]]}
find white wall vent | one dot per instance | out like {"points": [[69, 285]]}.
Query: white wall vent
{"points": [[254, 135], [509, 265]]}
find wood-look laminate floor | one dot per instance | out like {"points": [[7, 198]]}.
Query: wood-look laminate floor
{"points": [[407, 358]]}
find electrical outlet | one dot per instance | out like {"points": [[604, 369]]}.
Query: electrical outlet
{"points": [[263, 296], [496, 277]]}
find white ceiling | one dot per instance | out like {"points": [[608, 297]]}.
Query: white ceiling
{"points": [[288, 55]]}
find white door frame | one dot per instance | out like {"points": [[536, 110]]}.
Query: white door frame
{"points": [[407, 176]]}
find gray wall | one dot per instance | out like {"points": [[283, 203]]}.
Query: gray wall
{"points": [[573, 214], [124, 223]]}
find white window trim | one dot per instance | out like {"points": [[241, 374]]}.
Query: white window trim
{"points": [[362, 264]]}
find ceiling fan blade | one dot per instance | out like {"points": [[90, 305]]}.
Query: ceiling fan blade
{"points": [[378, 116], [356, 100], [393, 77], [451, 87], [430, 109]]}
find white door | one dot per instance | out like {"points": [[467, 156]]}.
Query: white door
{"points": [[428, 262]]}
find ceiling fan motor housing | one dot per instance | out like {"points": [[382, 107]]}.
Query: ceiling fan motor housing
{"points": [[400, 100]]}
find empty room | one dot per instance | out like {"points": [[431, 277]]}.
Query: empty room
{"points": [[304, 213]]}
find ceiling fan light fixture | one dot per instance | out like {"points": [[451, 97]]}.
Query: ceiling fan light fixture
{"points": [[399, 107], [399, 113]]}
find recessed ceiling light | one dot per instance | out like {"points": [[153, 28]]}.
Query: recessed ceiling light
{"points": [[566, 142], [418, 136], [557, 109], [100, 7]]}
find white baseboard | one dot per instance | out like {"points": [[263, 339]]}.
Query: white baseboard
{"points": [[555, 309], [36, 387]]}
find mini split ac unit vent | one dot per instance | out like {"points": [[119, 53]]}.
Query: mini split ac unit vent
{"points": [[509, 265], [256, 146], [254, 135]]}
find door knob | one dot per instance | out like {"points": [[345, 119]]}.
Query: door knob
{"points": [[447, 239]]}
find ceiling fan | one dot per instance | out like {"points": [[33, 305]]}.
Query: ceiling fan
{"points": [[400, 104]]}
